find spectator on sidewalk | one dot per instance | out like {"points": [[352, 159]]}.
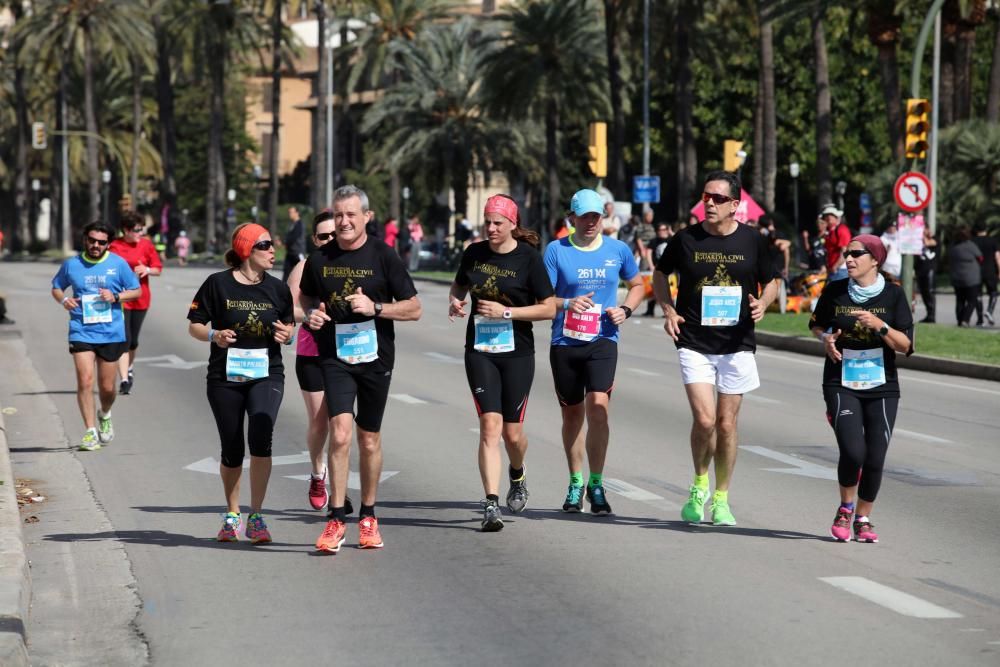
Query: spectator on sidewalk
{"points": [[182, 246], [924, 268], [837, 238], [964, 259], [990, 269], [391, 233], [893, 259], [295, 242], [416, 231], [610, 223]]}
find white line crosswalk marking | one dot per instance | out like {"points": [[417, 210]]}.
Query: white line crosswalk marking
{"points": [[890, 598]]}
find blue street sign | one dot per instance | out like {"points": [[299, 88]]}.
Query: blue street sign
{"points": [[646, 189]]}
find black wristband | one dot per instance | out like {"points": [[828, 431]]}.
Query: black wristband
{"points": [[118, 298], [628, 311]]}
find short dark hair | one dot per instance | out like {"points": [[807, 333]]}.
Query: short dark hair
{"points": [[729, 177], [962, 233], [98, 226], [979, 227], [322, 216], [131, 219]]}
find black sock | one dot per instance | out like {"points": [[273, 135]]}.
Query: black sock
{"points": [[366, 510], [337, 513], [494, 497], [515, 473]]}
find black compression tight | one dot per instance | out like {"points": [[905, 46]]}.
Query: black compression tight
{"points": [[259, 401], [863, 427]]}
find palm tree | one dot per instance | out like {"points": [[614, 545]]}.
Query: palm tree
{"points": [[769, 145], [21, 206], [993, 99], [616, 171], [434, 120], [883, 31], [544, 66], [824, 120]]}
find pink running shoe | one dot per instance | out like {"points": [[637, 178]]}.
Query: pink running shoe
{"points": [[864, 530], [841, 528], [317, 492], [257, 531]]}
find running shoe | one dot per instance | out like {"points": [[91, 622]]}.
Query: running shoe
{"points": [[721, 515], [574, 499], [332, 537], [318, 496], [230, 531], [125, 388], [105, 431], [348, 508], [90, 443], [841, 528], [864, 531], [598, 501], [517, 497], [492, 518], [370, 537], [694, 509], [256, 529]]}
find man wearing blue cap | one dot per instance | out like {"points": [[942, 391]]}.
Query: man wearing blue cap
{"points": [[585, 268], [720, 263]]}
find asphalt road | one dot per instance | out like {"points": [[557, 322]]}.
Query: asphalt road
{"points": [[639, 587]]}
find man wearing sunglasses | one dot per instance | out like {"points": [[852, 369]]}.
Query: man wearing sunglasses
{"points": [[101, 281], [720, 264]]}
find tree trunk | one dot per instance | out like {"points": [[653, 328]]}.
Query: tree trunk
{"points": [[683, 121], [616, 171], [965, 48], [946, 90], [394, 192], [889, 71], [757, 150], [770, 120], [993, 101], [824, 120], [320, 195], [460, 186], [133, 180], [552, 160], [273, 164], [214, 204], [93, 166], [165, 106], [24, 232]]}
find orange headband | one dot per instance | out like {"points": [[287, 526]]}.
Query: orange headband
{"points": [[502, 205], [245, 238]]}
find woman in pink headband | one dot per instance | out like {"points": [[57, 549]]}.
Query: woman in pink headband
{"points": [[510, 288]]}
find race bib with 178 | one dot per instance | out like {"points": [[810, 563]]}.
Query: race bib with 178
{"points": [[583, 326], [720, 305], [863, 369], [246, 365], [357, 343], [95, 309], [493, 334]]}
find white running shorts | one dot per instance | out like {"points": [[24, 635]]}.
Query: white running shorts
{"points": [[730, 373]]}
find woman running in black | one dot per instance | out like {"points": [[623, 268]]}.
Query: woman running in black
{"points": [[245, 315], [863, 321], [510, 289]]}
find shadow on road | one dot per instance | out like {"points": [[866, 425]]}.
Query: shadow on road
{"points": [[685, 527], [165, 539]]}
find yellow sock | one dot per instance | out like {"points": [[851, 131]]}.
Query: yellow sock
{"points": [[721, 496], [701, 481]]}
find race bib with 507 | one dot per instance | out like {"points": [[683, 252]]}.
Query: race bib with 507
{"points": [[720, 305]]}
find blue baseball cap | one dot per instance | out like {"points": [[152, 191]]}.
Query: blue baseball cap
{"points": [[587, 201]]}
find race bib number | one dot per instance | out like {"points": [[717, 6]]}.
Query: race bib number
{"points": [[493, 334], [95, 309], [247, 365], [583, 326], [357, 343], [720, 306], [863, 369]]}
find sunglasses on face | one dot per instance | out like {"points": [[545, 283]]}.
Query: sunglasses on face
{"points": [[263, 245], [138, 230], [324, 236], [92, 241], [716, 198], [856, 253]]}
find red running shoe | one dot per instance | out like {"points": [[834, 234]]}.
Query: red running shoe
{"points": [[332, 537], [370, 537], [317, 491]]}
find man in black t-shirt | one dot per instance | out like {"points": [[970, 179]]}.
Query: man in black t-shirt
{"points": [[990, 269], [351, 292], [720, 264]]}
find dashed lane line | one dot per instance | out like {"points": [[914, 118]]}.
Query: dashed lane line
{"points": [[406, 398], [890, 598]]}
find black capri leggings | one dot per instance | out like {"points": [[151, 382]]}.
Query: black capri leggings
{"points": [[863, 427], [257, 400], [133, 325], [500, 384]]}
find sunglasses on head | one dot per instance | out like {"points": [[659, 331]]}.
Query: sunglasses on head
{"points": [[263, 245], [716, 198], [856, 253], [324, 236], [101, 242]]}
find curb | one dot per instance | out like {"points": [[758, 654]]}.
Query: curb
{"points": [[915, 362], [15, 577]]}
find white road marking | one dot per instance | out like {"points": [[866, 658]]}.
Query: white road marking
{"points": [[789, 357], [170, 361], [406, 398], [640, 371], [630, 491], [353, 478], [211, 466], [754, 398], [474, 430], [922, 436], [444, 358], [890, 598], [800, 467]]}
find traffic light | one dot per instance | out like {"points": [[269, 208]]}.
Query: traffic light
{"points": [[598, 149], [917, 127], [38, 137], [731, 158]]}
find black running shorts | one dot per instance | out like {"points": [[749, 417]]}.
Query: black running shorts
{"points": [[580, 369], [309, 372], [499, 383], [366, 383], [106, 351]]}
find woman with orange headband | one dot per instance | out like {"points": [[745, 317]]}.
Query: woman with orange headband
{"points": [[245, 315], [510, 289]]}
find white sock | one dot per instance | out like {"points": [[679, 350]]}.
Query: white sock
{"points": [[862, 519], [103, 415], [321, 475]]}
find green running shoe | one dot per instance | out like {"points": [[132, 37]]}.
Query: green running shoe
{"points": [[694, 509], [89, 443], [105, 431], [574, 499], [721, 516]]}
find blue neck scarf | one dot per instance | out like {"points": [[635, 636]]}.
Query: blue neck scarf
{"points": [[861, 294]]}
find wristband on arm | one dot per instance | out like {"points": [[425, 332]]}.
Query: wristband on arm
{"points": [[211, 335]]}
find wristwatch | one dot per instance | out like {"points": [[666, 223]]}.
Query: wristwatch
{"points": [[884, 331], [628, 311], [507, 314], [118, 298], [378, 309]]}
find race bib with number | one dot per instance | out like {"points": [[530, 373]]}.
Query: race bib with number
{"points": [[95, 309], [357, 343], [493, 334], [583, 326], [247, 365], [863, 369], [720, 306]]}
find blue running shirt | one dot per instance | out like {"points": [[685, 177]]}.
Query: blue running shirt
{"points": [[88, 277], [575, 272]]}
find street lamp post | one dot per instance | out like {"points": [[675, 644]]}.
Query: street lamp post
{"points": [[406, 200], [841, 191], [230, 211], [105, 194], [257, 171], [793, 171]]}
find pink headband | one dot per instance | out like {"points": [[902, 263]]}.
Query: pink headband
{"points": [[502, 205], [245, 238]]}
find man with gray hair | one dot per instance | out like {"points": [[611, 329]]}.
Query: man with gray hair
{"points": [[351, 292]]}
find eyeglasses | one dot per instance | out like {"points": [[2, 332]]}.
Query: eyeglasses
{"points": [[856, 253], [137, 230], [717, 198], [101, 242], [324, 236], [263, 245]]}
